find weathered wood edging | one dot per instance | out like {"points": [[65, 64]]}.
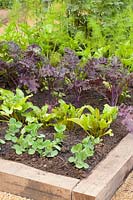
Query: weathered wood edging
{"points": [[101, 184]]}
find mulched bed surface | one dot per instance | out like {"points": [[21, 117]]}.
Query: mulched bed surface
{"points": [[59, 164]]}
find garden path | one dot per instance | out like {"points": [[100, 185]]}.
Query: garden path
{"points": [[3, 19], [125, 192]]}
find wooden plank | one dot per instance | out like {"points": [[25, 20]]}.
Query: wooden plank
{"points": [[29, 182], [108, 175]]}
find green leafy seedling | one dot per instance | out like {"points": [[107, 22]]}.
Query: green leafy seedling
{"points": [[51, 148], [82, 151], [14, 128], [59, 135]]}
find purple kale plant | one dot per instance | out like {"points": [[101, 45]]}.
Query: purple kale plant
{"points": [[109, 79], [21, 68], [70, 63], [72, 72], [30, 70], [48, 77], [126, 114], [8, 75]]}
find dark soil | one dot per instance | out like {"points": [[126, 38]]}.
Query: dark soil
{"points": [[60, 164]]}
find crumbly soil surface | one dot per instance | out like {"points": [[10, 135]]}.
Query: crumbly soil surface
{"points": [[60, 164]]}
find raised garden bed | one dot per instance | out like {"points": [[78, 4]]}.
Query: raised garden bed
{"points": [[100, 184], [59, 164], [65, 130], [99, 181]]}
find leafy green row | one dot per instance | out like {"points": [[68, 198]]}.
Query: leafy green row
{"points": [[91, 28], [26, 123], [26, 138]]}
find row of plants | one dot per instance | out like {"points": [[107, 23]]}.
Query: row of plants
{"points": [[91, 28], [27, 125], [32, 71]]}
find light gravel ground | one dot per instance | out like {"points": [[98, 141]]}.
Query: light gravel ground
{"points": [[6, 196], [125, 192]]}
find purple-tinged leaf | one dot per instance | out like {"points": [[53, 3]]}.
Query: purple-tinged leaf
{"points": [[126, 113]]}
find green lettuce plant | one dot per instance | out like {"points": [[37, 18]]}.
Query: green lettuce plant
{"points": [[13, 105], [63, 111], [97, 124], [40, 114]]}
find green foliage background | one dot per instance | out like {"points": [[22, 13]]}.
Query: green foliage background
{"points": [[93, 28], [6, 3]]}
